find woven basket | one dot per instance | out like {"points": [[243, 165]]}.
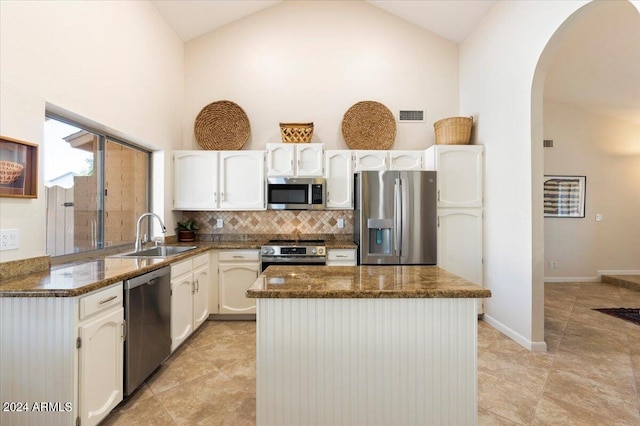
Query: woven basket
{"points": [[296, 132], [369, 125], [9, 172], [222, 125], [453, 130]]}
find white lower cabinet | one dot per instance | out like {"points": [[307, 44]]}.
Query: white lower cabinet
{"points": [[460, 244], [64, 354], [100, 365], [189, 297], [341, 257], [237, 271]]}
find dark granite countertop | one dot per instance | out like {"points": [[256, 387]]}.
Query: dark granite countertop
{"points": [[83, 276], [329, 282]]}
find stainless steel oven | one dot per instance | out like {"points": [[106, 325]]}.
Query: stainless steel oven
{"points": [[284, 193], [293, 252]]}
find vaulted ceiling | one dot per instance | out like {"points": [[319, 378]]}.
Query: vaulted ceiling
{"points": [[596, 67]]}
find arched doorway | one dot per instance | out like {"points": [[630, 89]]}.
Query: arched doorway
{"points": [[537, 158]]}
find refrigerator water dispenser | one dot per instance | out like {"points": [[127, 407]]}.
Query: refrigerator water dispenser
{"points": [[380, 234]]}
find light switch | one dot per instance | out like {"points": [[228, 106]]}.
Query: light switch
{"points": [[599, 217]]}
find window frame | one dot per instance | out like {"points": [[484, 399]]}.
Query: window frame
{"points": [[100, 170]]}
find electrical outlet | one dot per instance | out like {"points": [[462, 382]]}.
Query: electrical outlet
{"points": [[553, 264], [219, 223], [340, 223], [599, 217], [9, 239]]}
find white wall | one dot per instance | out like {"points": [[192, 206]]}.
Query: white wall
{"points": [[607, 151], [503, 63], [497, 65], [113, 63], [311, 61]]}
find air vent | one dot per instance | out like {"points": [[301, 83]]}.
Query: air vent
{"points": [[413, 116], [547, 143]]}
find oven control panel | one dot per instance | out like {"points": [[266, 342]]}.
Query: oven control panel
{"points": [[294, 250]]}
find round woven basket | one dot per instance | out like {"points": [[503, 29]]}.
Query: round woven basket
{"points": [[222, 125], [9, 172], [453, 130], [369, 125]]}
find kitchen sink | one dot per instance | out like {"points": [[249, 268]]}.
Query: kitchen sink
{"points": [[158, 252]]}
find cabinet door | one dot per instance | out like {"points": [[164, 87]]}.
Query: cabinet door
{"points": [[405, 160], [460, 171], [339, 179], [309, 159], [182, 290], [195, 181], [201, 295], [371, 160], [280, 159], [234, 280], [460, 244], [242, 180], [100, 371]]}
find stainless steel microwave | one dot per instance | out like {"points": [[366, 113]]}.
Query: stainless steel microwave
{"points": [[285, 193]]}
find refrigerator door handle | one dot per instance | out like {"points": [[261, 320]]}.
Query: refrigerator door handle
{"points": [[404, 220], [397, 217]]}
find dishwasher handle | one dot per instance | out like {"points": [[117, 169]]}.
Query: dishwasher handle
{"points": [[148, 278]]}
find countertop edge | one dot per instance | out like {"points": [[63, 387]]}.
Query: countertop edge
{"points": [[435, 294]]}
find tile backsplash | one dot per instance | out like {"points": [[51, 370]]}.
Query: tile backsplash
{"points": [[295, 223]]}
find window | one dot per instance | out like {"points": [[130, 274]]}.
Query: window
{"points": [[96, 188]]}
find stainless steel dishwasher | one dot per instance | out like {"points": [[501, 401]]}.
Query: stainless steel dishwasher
{"points": [[147, 312]]}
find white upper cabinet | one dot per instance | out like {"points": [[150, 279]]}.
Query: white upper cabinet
{"points": [[371, 160], [339, 179], [460, 171], [242, 180], [220, 180], [195, 180], [291, 159], [280, 159], [309, 159], [406, 160]]}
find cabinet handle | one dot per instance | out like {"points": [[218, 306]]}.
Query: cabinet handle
{"points": [[124, 330], [215, 197], [341, 255], [197, 286], [438, 195], [238, 257], [102, 302], [193, 287]]}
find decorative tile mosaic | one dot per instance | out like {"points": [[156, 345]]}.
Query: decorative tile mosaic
{"points": [[296, 223]]}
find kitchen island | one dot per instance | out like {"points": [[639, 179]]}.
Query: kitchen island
{"points": [[366, 345]]}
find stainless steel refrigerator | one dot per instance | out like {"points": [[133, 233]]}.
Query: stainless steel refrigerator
{"points": [[395, 219]]}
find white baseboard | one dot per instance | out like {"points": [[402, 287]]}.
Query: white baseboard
{"points": [[572, 279], [515, 336], [618, 272]]}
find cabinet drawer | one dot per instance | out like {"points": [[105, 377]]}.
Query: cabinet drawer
{"points": [[181, 268], [238, 255], [341, 254], [201, 259], [101, 300]]}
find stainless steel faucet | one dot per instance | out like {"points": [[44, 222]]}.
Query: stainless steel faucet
{"points": [[138, 245]]}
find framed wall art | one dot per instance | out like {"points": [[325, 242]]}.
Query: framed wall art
{"points": [[18, 168], [564, 196]]}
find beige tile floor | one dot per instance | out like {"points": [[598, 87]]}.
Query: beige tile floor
{"points": [[589, 376]]}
